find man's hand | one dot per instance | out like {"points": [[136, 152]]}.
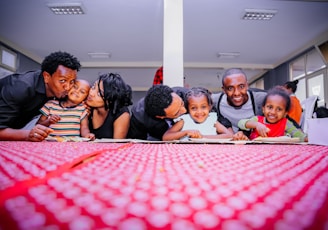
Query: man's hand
{"points": [[39, 133]]}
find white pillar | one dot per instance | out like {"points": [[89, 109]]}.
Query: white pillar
{"points": [[173, 43]]}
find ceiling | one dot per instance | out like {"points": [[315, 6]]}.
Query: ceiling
{"points": [[132, 32]]}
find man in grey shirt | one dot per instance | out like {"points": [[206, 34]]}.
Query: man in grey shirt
{"points": [[237, 102]]}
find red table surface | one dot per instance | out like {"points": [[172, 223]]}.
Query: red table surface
{"points": [[162, 186]]}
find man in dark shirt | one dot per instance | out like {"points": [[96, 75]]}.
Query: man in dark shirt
{"points": [[151, 116], [22, 95]]}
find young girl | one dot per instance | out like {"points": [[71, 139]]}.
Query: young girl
{"points": [[274, 122], [68, 117], [199, 121]]}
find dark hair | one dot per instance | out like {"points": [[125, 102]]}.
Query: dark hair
{"points": [[181, 91], [291, 85], [278, 90], [232, 71], [53, 60], [117, 93], [158, 98], [196, 92], [321, 112]]}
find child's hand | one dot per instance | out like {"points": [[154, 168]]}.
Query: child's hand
{"points": [[262, 129], [239, 136], [194, 134], [53, 119]]}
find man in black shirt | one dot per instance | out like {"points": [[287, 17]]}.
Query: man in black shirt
{"points": [[151, 116], [22, 95]]}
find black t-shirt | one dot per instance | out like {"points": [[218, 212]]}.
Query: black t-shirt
{"points": [[145, 127], [106, 130], [21, 97]]}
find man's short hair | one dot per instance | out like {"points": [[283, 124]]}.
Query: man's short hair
{"points": [[158, 98], [53, 60], [232, 71]]}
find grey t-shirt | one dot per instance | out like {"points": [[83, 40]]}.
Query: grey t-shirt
{"points": [[234, 114]]}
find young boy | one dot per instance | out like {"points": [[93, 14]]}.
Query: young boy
{"points": [[68, 117]]}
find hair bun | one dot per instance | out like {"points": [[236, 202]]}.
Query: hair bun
{"points": [[296, 82]]}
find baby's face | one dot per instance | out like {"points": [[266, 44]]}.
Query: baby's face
{"points": [[79, 91]]}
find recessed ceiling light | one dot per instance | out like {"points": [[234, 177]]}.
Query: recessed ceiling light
{"points": [[74, 8], [259, 14], [227, 54], [99, 55]]}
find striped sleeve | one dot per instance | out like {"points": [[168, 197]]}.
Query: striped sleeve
{"points": [[292, 131]]}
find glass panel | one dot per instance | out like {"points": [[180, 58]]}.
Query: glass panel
{"points": [[259, 84], [324, 50], [301, 90], [298, 68], [314, 62], [315, 87]]}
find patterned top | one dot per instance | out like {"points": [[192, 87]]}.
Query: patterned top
{"points": [[71, 117], [158, 78], [282, 128]]}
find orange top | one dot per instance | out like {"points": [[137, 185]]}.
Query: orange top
{"points": [[295, 111]]}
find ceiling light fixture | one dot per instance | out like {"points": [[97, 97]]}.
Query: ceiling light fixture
{"points": [[99, 55], [228, 54], [259, 14], [74, 8]]}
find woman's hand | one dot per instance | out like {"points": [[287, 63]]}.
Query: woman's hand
{"points": [[88, 108]]}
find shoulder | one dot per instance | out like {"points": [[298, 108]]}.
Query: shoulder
{"points": [[121, 111], [215, 97], [181, 91], [183, 117], [258, 94], [139, 107]]}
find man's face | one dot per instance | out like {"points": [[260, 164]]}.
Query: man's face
{"points": [[60, 82], [235, 86], [176, 108]]}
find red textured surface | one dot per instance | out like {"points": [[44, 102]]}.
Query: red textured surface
{"points": [[167, 186]]}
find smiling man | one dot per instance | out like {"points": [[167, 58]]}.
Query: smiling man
{"points": [[22, 95], [237, 101]]}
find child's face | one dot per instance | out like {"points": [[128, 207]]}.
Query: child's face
{"points": [[79, 91], [198, 108], [275, 108]]}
